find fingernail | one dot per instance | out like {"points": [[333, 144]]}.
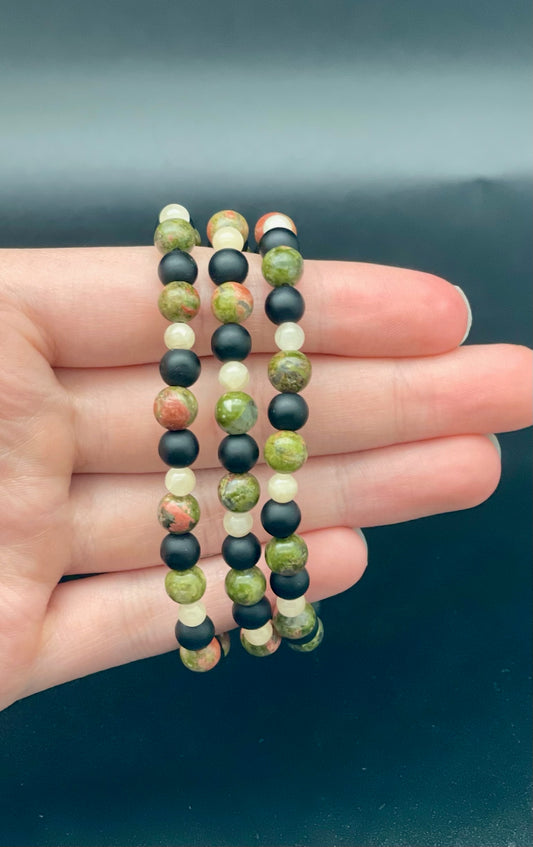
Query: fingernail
{"points": [[492, 437], [360, 533], [469, 312]]}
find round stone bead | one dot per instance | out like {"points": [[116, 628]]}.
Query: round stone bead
{"points": [[227, 236], [179, 336], [225, 218], [201, 660], [180, 481], [265, 649], [231, 342], [285, 451], [180, 552], [180, 367], [172, 234], [284, 304], [278, 237], [297, 626], [245, 587], [282, 487], [238, 453], [178, 514], [192, 614], [228, 265], [272, 220], [179, 301], [241, 553], [185, 586], [178, 448], [238, 525], [286, 555], [232, 303], [289, 586], [282, 265], [252, 617], [174, 211], [177, 265], [280, 519], [238, 492], [235, 412], [175, 407], [290, 607], [194, 637], [289, 371], [313, 643], [288, 411], [289, 336], [233, 376]]}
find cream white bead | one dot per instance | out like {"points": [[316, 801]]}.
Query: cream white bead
{"points": [[227, 236], [179, 336], [291, 608], [277, 220], [180, 481], [174, 212], [259, 636], [234, 376], [282, 487], [238, 523], [192, 614], [289, 336]]}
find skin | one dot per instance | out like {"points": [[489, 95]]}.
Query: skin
{"points": [[411, 410]]}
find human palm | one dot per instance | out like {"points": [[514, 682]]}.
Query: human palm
{"points": [[398, 413]]}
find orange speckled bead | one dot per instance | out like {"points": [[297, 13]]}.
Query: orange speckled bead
{"points": [[175, 407], [271, 220], [227, 217]]}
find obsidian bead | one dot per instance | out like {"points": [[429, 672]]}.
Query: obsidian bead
{"points": [[177, 266], [180, 552], [280, 519], [195, 637], [178, 448], [276, 237], [291, 586], [231, 342], [284, 304], [288, 411], [238, 453], [180, 367], [228, 265], [241, 553], [252, 617]]}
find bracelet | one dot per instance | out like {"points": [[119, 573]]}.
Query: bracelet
{"points": [[289, 371]]}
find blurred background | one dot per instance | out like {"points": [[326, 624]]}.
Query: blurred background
{"points": [[396, 133]]}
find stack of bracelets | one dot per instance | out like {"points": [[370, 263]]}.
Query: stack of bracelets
{"points": [[175, 408]]}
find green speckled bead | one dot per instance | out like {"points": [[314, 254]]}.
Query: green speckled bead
{"points": [[245, 587], [298, 626], [227, 217], [311, 645], [285, 451], [238, 492], [201, 660], [179, 301], [235, 412], [178, 514], [262, 649], [286, 555], [185, 586], [290, 371], [173, 234], [282, 266], [232, 303]]}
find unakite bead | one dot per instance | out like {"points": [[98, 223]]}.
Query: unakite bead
{"points": [[289, 370], [227, 217], [232, 302], [179, 301], [201, 660], [178, 514], [238, 492], [266, 649], [297, 626], [285, 451], [245, 587], [286, 555], [235, 412], [175, 407], [271, 220], [185, 586], [282, 266], [176, 233], [313, 643]]}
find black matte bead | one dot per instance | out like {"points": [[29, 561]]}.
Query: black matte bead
{"points": [[288, 411], [276, 237], [252, 617], [180, 552], [178, 448], [180, 367], [241, 553], [284, 304], [238, 453], [280, 519], [177, 266], [290, 587], [306, 638], [228, 265], [231, 342], [195, 637]]}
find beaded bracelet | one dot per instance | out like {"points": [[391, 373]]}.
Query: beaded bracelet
{"points": [[236, 413], [175, 408], [289, 371]]}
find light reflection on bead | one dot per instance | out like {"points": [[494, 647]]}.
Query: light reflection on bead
{"points": [[227, 236], [291, 608], [179, 336], [192, 614], [282, 487], [258, 636], [234, 376], [172, 212], [180, 481], [238, 524], [289, 336]]}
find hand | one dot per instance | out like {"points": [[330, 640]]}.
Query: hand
{"points": [[397, 416]]}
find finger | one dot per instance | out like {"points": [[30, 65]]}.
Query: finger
{"points": [[97, 306], [376, 487], [111, 619], [354, 404]]}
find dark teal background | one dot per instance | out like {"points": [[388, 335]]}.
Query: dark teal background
{"points": [[391, 132]]}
